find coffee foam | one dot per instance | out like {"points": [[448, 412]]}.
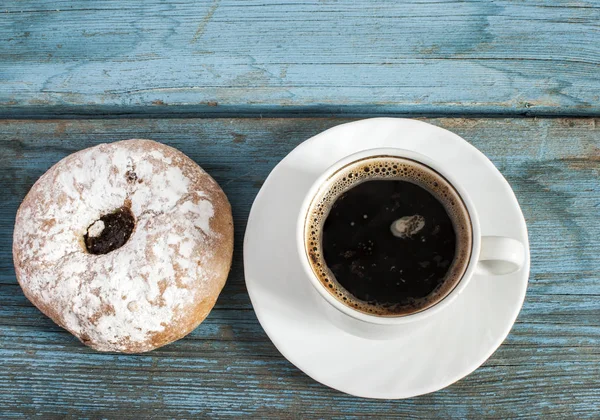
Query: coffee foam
{"points": [[387, 168]]}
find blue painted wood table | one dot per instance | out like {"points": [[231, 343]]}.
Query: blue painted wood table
{"points": [[236, 84]]}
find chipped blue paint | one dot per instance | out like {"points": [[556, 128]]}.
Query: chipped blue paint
{"points": [[341, 58], [227, 59], [548, 366]]}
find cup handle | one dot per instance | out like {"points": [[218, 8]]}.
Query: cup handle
{"points": [[500, 255]]}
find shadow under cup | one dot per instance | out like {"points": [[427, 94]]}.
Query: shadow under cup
{"points": [[388, 168]]}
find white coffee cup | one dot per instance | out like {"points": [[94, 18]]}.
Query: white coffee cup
{"points": [[491, 256]]}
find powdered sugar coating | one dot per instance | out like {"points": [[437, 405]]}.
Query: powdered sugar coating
{"points": [[156, 287]]}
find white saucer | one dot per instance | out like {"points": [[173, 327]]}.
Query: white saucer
{"points": [[434, 352]]}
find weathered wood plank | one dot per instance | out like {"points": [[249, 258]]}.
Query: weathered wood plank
{"points": [[548, 366], [232, 56]]}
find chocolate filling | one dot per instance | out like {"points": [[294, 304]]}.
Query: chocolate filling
{"points": [[110, 232]]}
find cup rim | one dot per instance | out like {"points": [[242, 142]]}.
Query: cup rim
{"points": [[388, 320]]}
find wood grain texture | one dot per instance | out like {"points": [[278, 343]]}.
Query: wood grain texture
{"points": [[250, 57], [548, 367]]}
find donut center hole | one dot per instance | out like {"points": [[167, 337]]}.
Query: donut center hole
{"points": [[110, 232]]}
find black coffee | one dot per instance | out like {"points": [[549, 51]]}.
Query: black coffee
{"points": [[374, 264], [391, 236]]}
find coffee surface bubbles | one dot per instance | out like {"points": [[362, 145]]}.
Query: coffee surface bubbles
{"points": [[388, 236]]}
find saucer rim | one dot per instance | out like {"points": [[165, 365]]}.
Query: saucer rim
{"points": [[517, 306]]}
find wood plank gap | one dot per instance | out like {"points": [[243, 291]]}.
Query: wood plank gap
{"points": [[214, 110]]}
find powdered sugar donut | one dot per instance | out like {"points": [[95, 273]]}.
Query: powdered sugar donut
{"points": [[127, 245]]}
